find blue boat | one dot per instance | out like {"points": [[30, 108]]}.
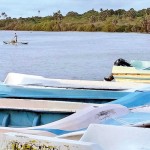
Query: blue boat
{"points": [[31, 121], [29, 113], [65, 94]]}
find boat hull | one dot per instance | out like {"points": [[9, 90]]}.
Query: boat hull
{"points": [[80, 95], [14, 43], [28, 113]]}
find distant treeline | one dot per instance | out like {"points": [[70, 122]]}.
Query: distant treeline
{"points": [[103, 20]]}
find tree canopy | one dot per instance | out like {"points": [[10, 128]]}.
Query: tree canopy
{"points": [[108, 20]]}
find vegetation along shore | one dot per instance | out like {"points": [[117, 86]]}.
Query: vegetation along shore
{"points": [[103, 20]]}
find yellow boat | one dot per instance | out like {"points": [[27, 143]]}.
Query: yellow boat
{"points": [[139, 71]]}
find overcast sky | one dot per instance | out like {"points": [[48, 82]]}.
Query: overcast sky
{"points": [[28, 8]]}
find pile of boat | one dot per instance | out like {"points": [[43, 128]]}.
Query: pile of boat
{"points": [[59, 114]]}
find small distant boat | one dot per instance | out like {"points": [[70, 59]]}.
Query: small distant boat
{"points": [[139, 71], [14, 43]]}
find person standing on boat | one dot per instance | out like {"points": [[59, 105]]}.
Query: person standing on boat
{"points": [[15, 37]]}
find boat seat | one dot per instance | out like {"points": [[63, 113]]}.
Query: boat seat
{"points": [[36, 120], [5, 120]]}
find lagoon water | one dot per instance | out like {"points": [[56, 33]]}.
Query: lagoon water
{"points": [[70, 55]]}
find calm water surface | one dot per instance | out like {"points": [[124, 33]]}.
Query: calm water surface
{"points": [[70, 55]]}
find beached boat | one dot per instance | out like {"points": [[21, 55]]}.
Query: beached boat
{"points": [[30, 86], [28, 113], [34, 80], [43, 116], [139, 71], [75, 122], [64, 94]]}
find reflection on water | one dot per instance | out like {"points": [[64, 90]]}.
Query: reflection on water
{"points": [[72, 55]]}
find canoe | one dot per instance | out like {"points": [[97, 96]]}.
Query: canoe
{"points": [[64, 94], [9, 42], [139, 72], [118, 137]]}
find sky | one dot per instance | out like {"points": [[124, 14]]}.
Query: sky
{"points": [[29, 8]]}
